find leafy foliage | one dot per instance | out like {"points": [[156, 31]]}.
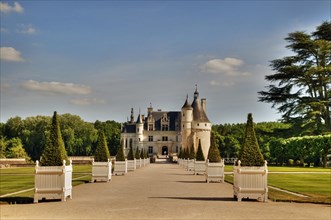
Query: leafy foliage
{"points": [[250, 153], [214, 155], [142, 153], [200, 156], [54, 152], [102, 151], [301, 89]]}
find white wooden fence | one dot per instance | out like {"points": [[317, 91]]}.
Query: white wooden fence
{"points": [[101, 171]]}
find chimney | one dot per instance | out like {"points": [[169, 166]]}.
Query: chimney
{"points": [[203, 104]]}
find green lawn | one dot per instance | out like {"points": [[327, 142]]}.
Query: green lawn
{"points": [[24, 178], [316, 186]]}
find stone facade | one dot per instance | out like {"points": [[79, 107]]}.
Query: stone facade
{"points": [[166, 132]]}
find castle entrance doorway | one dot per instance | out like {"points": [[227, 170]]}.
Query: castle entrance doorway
{"points": [[164, 150]]}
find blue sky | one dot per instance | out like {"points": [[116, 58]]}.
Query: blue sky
{"points": [[97, 59]]}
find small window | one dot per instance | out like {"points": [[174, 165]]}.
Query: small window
{"points": [[164, 138], [150, 150], [198, 124], [150, 138]]}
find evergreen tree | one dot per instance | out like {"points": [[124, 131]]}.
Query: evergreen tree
{"points": [[120, 156], [191, 155], [102, 151], [145, 154], [137, 155], [142, 153], [250, 153], [130, 154], [213, 153], [180, 154], [54, 151], [300, 86], [200, 156]]}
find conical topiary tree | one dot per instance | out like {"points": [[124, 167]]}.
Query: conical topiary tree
{"points": [[102, 151], [54, 152], [120, 156], [180, 154], [200, 156], [145, 154], [250, 153], [137, 155], [214, 155], [142, 153], [185, 155], [130, 154], [191, 154]]}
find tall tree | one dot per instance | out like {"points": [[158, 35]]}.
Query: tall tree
{"points": [[301, 85], [102, 152], [250, 153], [54, 152]]}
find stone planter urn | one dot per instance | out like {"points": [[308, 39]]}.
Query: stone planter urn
{"points": [[53, 182], [101, 171], [120, 167], [215, 172], [250, 182], [132, 165], [199, 167]]}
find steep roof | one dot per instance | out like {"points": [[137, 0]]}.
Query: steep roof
{"points": [[199, 114]]}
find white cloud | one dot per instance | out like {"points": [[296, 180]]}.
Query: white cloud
{"points": [[10, 54], [26, 29], [56, 88], [4, 30], [228, 66], [87, 101], [223, 84], [6, 8], [4, 87]]}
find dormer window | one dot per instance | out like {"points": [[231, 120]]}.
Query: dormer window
{"points": [[165, 121]]}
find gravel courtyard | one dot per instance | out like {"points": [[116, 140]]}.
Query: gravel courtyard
{"points": [[161, 191]]}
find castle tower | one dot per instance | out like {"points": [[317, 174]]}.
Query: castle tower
{"points": [[201, 126], [139, 131], [186, 122]]}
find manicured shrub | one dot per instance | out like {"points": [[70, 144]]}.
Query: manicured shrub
{"points": [[200, 156], [214, 155], [142, 153], [250, 153], [130, 154], [102, 151], [137, 155], [120, 156], [191, 154], [145, 154], [185, 153], [290, 162], [180, 154], [54, 152]]}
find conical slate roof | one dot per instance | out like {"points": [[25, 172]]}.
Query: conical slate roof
{"points": [[186, 104], [199, 114]]}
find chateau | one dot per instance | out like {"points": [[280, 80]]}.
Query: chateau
{"points": [[167, 132]]}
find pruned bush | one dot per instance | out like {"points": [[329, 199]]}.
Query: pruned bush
{"points": [[200, 156], [250, 153], [130, 154], [120, 156], [137, 155], [54, 152], [214, 155], [191, 154], [102, 151]]}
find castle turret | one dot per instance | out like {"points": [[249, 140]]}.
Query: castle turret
{"points": [[186, 122], [139, 130]]}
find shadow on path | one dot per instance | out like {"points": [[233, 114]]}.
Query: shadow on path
{"points": [[191, 182], [223, 199]]}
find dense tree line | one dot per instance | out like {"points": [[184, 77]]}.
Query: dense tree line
{"points": [[80, 137]]}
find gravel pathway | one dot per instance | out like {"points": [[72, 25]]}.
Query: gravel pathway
{"points": [[161, 191]]}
